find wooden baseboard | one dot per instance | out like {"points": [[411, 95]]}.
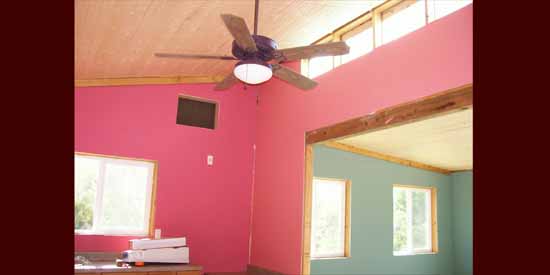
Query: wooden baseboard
{"points": [[250, 270], [256, 270]]}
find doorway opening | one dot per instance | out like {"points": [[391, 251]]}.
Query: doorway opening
{"points": [[396, 135]]}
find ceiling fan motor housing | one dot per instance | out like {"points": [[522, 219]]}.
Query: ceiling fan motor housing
{"points": [[266, 47]]}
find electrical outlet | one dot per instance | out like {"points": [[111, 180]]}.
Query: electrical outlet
{"points": [[210, 160]]}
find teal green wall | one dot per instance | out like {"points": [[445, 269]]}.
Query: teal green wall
{"points": [[461, 189], [372, 216]]}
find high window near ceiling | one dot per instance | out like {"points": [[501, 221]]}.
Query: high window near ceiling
{"points": [[360, 40], [383, 24], [320, 65], [403, 18], [441, 8]]}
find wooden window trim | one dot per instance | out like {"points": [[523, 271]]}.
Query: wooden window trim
{"points": [[358, 29], [152, 209], [207, 100], [347, 217], [347, 226], [433, 215]]}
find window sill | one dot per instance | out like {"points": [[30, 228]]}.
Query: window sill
{"points": [[112, 234], [331, 258], [415, 254]]}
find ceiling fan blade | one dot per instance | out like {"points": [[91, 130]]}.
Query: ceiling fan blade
{"points": [[237, 27], [326, 49], [293, 77], [226, 83], [203, 56]]}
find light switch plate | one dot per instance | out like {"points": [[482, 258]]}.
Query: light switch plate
{"points": [[210, 160]]}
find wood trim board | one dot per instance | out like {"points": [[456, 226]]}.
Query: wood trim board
{"points": [[347, 227], [127, 81], [306, 239], [257, 270], [376, 155]]}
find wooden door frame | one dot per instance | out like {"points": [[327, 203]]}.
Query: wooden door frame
{"points": [[442, 103]]}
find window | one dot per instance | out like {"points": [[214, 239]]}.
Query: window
{"points": [[438, 8], [360, 41], [414, 220], [385, 22], [330, 225], [403, 18], [320, 65], [113, 196]]}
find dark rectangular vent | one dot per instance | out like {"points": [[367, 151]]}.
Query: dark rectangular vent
{"points": [[196, 112]]}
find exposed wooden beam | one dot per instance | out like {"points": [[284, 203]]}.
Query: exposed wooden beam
{"points": [[147, 80], [306, 229], [376, 155], [452, 100]]}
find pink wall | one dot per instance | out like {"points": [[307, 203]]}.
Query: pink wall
{"points": [[211, 206], [432, 59]]}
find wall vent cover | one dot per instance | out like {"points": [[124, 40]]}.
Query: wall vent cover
{"points": [[197, 112]]}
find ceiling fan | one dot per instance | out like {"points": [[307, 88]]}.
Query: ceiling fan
{"points": [[259, 58]]}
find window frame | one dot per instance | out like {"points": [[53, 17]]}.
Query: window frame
{"points": [[361, 27], [432, 13], [150, 205], [334, 65], [395, 9], [433, 216], [347, 219], [375, 14]]}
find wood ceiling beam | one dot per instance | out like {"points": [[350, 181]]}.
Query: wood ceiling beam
{"points": [[161, 80], [449, 101], [376, 155]]}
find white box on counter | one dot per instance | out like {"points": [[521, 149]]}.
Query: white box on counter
{"points": [[158, 255], [154, 243]]}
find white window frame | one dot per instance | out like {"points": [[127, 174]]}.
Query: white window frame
{"points": [[368, 24], [98, 204], [431, 216], [395, 9], [347, 221]]}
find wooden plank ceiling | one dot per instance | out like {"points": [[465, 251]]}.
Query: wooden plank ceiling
{"points": [[444, 142], [117, 38]]}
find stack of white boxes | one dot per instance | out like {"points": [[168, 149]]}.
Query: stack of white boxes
{"points": [[168, 250]]}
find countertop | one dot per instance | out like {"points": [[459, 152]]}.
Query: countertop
{"points": [[100, 267]]}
